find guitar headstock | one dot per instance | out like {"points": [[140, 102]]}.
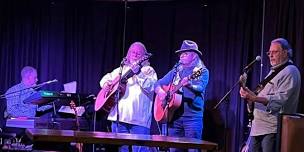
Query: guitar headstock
{"points": [[243, 80], [140, 61], [73, 105], [196, 74]]}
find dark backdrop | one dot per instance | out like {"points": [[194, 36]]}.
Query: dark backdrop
{"points": [[82, 40]]}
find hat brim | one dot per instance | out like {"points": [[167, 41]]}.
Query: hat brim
{"points": [[189, 50]]}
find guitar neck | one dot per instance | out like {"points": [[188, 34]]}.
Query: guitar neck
{"points": [[178, 86], [73, 106], [129, 72], [77, 120]]}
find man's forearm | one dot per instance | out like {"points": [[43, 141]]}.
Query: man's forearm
{"points": [[262, 100]]}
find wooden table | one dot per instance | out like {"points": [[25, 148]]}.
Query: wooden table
{"points": [[50, 135]]}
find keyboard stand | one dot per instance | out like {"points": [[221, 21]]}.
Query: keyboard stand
{"points": [[54, 124]]}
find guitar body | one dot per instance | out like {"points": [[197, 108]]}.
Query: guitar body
{"points": [[106, 98], [160, 107], [162, 112]]}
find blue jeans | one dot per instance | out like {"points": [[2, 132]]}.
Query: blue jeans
{"points": [[131, 129], [189, 127], [262, 143]]}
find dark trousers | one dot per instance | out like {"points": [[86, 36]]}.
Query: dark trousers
{"points": [[263, 143], [190, 127]]}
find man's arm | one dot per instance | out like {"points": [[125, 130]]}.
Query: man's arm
{"points": [[251, 97], [163, 81], [201, 83], [146, 78], [13, 103], [282, 90]]}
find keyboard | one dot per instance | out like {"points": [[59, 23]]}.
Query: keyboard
{"points": [[44, 97]]}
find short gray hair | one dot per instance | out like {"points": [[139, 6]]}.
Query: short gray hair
{"points": [[284, 44], [26, 70]]}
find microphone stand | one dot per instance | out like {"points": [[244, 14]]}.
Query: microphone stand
{"points": [[221, 101], [226, 95], [165, 126], [117, 94], [225, 98], [246, 70], [32, 87]]}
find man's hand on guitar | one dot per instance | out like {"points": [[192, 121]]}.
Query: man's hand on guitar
{"points": [[135, 68], [185, 81], [247, 94], [161, 93], [107, 86]]}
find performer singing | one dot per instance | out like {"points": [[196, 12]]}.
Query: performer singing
{"points": [[135, 105], [187, 120], [280, 93]]}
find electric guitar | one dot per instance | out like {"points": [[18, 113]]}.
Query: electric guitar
{"points": [[161, 110], [106, 97], [250, 105]]}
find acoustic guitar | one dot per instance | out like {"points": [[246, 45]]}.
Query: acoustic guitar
{"points": [[106, 97], [161, 110], [79, 146]]}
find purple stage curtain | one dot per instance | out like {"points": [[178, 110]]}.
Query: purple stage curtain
{"points": [[82, 40]]}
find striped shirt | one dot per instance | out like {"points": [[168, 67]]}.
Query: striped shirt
{"points": [[15, 105]]}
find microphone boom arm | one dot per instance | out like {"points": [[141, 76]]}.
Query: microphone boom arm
{"points": [[32, 87]]}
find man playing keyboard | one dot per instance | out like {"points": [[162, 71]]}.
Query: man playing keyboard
{"points": [[16, 95]]}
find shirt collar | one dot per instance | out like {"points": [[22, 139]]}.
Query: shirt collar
{"points": [[276, 66]]}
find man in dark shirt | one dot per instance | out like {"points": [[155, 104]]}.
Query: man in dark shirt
{"points": [[187, 120]]}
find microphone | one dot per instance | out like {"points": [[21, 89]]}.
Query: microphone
{"points": [[149, 54], [32, 87], [177, 64], [123, 61], [44, 83], [257, 59], [51, 81]]}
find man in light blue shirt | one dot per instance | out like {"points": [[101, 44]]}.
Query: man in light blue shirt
{"points": [[280, 95], [16, 95]]}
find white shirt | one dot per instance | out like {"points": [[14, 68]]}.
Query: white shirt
{"points": [[135, 106]]}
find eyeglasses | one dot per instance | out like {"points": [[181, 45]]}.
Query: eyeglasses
{"points": [[272, 52]]}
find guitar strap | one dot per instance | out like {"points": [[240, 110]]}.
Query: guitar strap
{"points": [[259, 88], [263, 83]]}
